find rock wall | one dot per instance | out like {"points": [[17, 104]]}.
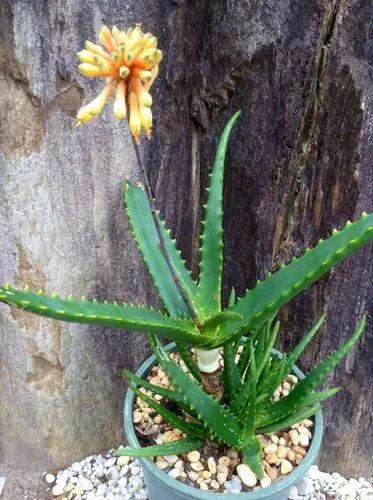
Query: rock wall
{"points": [[298, 166]]}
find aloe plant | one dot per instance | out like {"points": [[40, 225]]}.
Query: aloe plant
{"points": [[193, 316], [246, 410]]}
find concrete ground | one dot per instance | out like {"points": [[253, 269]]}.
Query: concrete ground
{"points": [[23, 485]]}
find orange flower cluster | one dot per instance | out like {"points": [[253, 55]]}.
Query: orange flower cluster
{"points": [[129, 60]]}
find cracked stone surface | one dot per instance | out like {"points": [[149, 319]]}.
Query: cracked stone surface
{"points": [[299, 165]]}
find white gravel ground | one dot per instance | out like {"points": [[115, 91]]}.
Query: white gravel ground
{"points": [[105, 477]]}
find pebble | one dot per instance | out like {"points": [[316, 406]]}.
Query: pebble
{"points": [[294, 436], [171, 459], [211, 464], [233, 486], [58, 490], [221, 477], [111, 461], [85, 484], [286, 467], [197, 466], [50, 478], [305, 486], [246, 475], [193, 456], [265, 482], [175, 473], [123, 461]]}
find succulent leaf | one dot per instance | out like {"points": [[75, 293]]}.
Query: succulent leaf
{"points": [[290, 420], [281, 409], [173, 448], [219, 318], [124, 316], [145, 232], [174, 396], [230, 376], [280, 287], [187, 358], [170, 417], [293, 357], [209, 287], [214, 415], [264, 358], [317, 397]]}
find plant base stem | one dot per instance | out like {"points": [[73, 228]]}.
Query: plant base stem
{"points": [[212, 384]]}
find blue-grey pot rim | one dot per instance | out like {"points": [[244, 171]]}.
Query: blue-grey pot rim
{"points": [[280, 486]]}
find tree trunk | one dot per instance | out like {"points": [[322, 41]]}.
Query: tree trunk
{"points": [[298, 166]]}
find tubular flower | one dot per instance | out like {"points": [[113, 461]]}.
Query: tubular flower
{"points": [[129, 60]]}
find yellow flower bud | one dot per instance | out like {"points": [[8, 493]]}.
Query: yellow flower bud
{"points": [[151, 43], [154, 72], [146, 119], [107, 39], [123, 72], [86, 56], [133, 36], [91, 70], [116, 35], [143, 74], [104, 64], [143, 96], [96, 49], [95, 107], [120, 101], [134, 121]]}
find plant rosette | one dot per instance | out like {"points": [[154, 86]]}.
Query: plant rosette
{"points": [[162, 485]]}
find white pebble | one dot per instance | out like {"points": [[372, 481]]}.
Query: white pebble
{"points": [[233, 486], [76, 467], [122, 483], [246, 475], [122, 460], [286, 467], [171, 459], [294, 436], [101, 489], [293, 493], [85, 484], [211, 464], [110, 461], [58, 490], [265, 482], [175, 473], [305, 486], [193, 456], [304, 440], [50, 478]]}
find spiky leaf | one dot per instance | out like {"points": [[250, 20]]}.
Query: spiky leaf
{"points": [[145, 232], [231, 376], [118, 316], [279, 410], [188, 360], [279, 288], [174, 396], [209, 288], [293, 357], [290, 420], [173, 448], [214, 415], [170, 417]]}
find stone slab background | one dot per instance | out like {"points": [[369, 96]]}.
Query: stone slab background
{"points": [[299, 165]]}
